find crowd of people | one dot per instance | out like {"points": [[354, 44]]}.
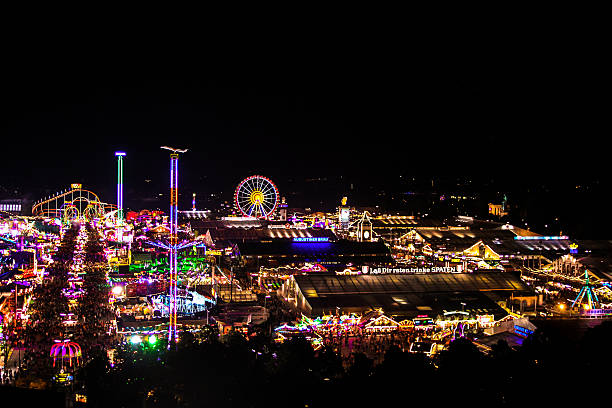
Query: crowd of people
{"points": [[373, 344], [78, 259], [45, 324], [95, 331], [7, 375], [348, 340]]}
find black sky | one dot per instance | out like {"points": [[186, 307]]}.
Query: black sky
{"points": [[352, 104]]}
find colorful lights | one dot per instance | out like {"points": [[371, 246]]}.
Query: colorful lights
{"points": [[135, 339], [145, 341], [117, 291], [591, 295], [522, 331], [311, 239], [256, 197], [172, 333], [65, 349], [174, 246], [120, 156], [546, 238]]}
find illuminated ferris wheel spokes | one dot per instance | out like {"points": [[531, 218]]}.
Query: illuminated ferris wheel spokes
{"points": [[257, 197]]}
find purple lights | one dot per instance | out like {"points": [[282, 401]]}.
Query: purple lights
{"points": [[120, 156], [174, 245]]}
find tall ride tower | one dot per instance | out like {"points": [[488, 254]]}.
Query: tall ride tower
{"points": [[120, 156], [173, 247]]}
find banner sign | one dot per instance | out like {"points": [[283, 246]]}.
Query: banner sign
{"points": [[397, 270]]}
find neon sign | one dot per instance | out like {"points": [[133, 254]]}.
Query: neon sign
{"points": [[311, 239], [522, 331]]}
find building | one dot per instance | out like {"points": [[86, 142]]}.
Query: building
{"points": [[364, 228], [11, 206], [497, 210], [239, 318], [193, 215], [226, 233], [404, 296], [504, 245], [390, 228], [574, 265], [333, 255]]}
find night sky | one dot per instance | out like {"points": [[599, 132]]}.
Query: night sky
{"points": [[365, 109]]}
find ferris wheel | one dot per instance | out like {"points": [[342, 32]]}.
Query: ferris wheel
{"points": [[256, 196]]}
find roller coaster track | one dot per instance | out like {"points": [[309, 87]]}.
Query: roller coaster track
{"points": [[56, 205]]}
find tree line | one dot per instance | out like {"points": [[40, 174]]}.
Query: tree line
{"points": [[231, 371]]}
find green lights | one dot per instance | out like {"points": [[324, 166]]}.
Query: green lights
{"points": [[145, 341]]}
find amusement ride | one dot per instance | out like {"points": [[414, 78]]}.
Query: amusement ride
{"points": [[257, 197], [174, 246], [71, 204]]}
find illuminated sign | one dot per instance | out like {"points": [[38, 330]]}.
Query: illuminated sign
{"points": [[76, 185], [422, 321], [521, 331], [63, 377], [238, 219], [345, 214], [311, 239], [544, 238], [485, 319], [385, 270]]}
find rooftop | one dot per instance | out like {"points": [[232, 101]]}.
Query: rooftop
{"points": [[408, 295], [318, 285], [325, 249]]}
